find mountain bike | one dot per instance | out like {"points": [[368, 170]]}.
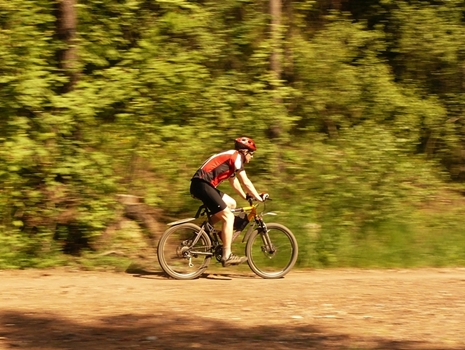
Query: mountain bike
{"points": [[185, 249]]}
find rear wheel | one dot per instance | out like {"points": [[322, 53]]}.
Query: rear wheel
{"points": [[179, 257], [272, 254]]}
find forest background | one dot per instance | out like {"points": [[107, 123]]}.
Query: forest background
{"points": [[357, 108]]}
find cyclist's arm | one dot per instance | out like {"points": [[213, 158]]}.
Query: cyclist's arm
{"points": [[248, 185], [236, 185]]}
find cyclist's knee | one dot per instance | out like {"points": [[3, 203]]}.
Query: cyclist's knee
{"points": [[229, 201], [226, 215]]}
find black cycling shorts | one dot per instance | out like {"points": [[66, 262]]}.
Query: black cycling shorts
{"points": [[209, 195]]}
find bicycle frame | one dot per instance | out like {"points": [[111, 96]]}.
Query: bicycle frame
{"points": [[252, 215]]}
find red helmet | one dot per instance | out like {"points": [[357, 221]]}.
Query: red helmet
{"points": [[245, 143]]}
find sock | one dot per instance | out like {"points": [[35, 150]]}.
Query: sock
{"points": [[226, 253]]}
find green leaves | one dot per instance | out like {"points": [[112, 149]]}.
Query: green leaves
{"points": [[341, 134]]}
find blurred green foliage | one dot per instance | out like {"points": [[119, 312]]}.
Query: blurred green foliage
{"points": [[363, 130]]}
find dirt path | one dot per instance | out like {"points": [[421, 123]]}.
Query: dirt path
{"points": [[327, 309]]}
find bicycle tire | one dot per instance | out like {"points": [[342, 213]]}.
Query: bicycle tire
{"points": [[174, 248], [275, 264]]}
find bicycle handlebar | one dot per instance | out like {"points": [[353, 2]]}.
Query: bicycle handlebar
{"points": [[264, 196], [250, 200]]}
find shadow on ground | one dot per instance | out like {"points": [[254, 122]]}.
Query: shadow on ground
{"points": [[171, 331], [213, 273]]}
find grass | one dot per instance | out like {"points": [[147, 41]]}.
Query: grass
{"points": [[432, 236], [424, 241]]}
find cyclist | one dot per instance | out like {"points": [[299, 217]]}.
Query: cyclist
{"points": [[219, 167]]}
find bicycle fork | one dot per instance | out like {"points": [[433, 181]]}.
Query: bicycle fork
{"points": [[267, 246]]}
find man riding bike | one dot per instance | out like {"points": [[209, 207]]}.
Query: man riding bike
{"points": [[219, 167]]}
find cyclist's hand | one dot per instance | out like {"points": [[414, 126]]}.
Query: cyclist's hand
{"points": [[264, 196]]}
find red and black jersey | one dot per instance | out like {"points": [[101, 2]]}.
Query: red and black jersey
{"points": [[220, 167]]}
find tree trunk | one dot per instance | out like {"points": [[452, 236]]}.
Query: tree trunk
{"points": [[275, 31], [288, 69], [275, 130], [67, 32]]}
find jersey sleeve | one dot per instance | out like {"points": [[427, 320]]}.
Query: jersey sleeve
{"points": [[238, 163]]}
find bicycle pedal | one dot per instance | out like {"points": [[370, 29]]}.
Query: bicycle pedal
{"points": [[218, 253]]}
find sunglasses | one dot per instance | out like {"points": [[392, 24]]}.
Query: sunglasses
{"points": [[251, 153]]}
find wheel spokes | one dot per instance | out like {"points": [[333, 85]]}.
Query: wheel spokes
{"points": [[181, 257], [271, 253]]}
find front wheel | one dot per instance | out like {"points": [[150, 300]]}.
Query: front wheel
{"points": [[179, 256], [271, 254]]}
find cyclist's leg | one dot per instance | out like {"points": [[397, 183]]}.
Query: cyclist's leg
{"points": [[227, 235], [215, 201], [231, 203], [209, 195], [227, 217]]}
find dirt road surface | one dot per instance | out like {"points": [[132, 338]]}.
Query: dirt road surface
{"points": [[314, 309]]}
